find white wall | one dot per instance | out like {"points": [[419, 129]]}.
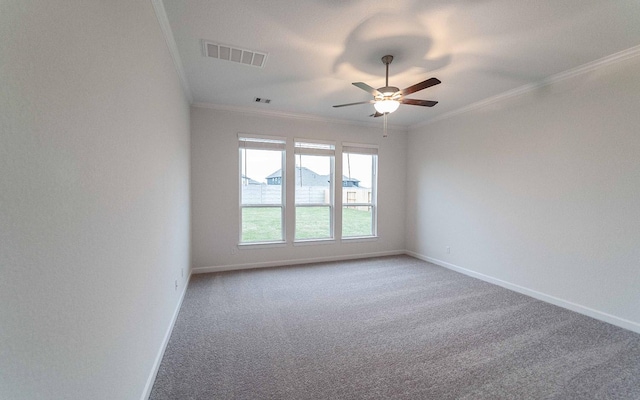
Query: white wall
{"points": [[541, 191], [94, 197], [215, 210]]}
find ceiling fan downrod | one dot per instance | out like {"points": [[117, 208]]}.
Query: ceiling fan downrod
{"points": [[387, 60]]}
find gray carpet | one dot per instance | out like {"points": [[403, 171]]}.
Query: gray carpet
{"points": [[386, 328]]}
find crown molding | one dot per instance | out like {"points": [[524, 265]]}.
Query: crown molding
{"points": [[570, 73], [296, 116], [163, 20]]}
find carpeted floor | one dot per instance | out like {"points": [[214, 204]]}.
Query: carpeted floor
{"points": [[386, 328]]}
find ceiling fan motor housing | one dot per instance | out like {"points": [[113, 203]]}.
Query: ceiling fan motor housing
{"points": [[388, 92]]}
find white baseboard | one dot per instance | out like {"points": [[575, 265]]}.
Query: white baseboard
{"points": [[233, 267], [156, 363], [599, 315]]}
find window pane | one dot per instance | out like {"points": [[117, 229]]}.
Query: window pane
{"points": [[261, 178], [313, 222], [359, 185], [313, 179], [261, 224], [357, 170], [357, 221]]}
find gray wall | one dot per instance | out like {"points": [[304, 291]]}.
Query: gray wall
{"points": [[540, 191], [94, 197], [215, 191]]}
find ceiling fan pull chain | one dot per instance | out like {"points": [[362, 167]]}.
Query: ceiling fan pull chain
{"points": [[384, 129]]}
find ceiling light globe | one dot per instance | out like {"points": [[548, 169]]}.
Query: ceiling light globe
{"points": [[386, 106]]}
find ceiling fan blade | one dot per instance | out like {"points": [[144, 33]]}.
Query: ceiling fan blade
{"points": [[415, 102], [376, 115], [353, 104], [367, 88], [420, 86]]}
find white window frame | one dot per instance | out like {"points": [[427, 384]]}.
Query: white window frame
{"points": [[261, 142], [325, 148], [365, 149]]}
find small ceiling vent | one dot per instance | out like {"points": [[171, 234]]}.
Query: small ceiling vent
{"points": [[233, 53]]}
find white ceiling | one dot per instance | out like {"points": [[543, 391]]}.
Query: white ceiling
{"points": [[317, 48]]}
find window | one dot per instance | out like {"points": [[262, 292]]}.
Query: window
{"points": [[261, 189], [359, 210], [314, 164]]}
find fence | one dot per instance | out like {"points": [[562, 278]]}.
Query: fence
{"points": [[271, 194]]}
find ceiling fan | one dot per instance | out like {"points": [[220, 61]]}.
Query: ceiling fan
{"points": [[387, 99]]}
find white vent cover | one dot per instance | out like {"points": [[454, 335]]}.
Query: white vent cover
{"points": [[233, 53]]}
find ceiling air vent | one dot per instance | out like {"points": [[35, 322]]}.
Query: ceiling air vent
{"points": [[233, 53]]}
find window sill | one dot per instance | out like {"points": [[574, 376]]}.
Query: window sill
{"points": [[356, 239], [310, 242], [260, 245]]}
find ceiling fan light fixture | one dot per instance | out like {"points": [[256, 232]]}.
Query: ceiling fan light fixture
{"points": [[386, 106]]}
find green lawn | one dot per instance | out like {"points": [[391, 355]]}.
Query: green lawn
{"points": [[312, 223], [263, 224], [355, 222]]}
